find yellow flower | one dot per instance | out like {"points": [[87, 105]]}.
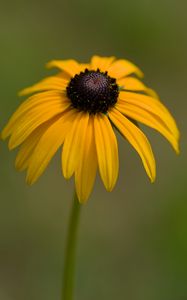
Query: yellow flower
{"points": [[79, 108]]}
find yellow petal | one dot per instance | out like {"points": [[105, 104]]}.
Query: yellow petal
{"points": [[149, 119], [32, 102], [121, 68], [70, 66], [102, 63], [48, 145], [134, 84], [107, 151], [152, 93], [137, 139], [87, 164], [49, 83], [131, 83], [64, 75], [26, 150], [73, 143], [84, 66], [34, 118], [152, 105]]}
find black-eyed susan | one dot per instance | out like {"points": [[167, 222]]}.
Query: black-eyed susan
{"points": [[77, 110]]}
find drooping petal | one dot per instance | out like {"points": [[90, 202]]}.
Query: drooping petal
{"points": [[87, 164], [73, 144], [150, 119], [102, 63], [70, 66], [137, 139], [107, 151], [152, 105], [31, 103], [48, 145], [49, 83], [34, 118], [26, 150], [121, 68]]}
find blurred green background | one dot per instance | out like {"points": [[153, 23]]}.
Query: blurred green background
{"points": [[133, 241]]}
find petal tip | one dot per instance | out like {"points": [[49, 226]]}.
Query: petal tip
{"points": [[49, 64], [12, 144], [82, 200], [10, 147], [177, 149], [152, 172], [153, 179], [17, 166], [110, 188], [140, 73], [22, 92], [30, 181], [176, 146], [5, 132], [3, 135], [66, 173]]}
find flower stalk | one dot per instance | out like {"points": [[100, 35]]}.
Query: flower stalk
{"points": [[70, 254]]}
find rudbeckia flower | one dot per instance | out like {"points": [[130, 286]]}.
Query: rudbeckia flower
{"points": [[78, 110]]}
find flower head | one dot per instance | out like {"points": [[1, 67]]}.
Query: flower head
{"points": [[77, 110]]}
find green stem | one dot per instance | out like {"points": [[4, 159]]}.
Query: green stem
{"points": [[69, 267]]}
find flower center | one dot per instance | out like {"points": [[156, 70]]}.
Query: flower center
{"points": [[93, 91]]}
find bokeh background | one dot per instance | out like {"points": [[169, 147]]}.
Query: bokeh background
{"points": [[133, 241]]}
